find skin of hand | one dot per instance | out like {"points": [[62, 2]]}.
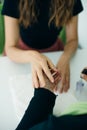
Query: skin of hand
{"points": [[49, 85], [63, 66], [84, 76], [41, 64], [70, 48]]}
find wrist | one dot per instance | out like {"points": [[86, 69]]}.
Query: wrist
{"points": [[31, 54], [66, 56], [70, 49]]}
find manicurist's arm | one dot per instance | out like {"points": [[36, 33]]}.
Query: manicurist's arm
{"points": [[71, 37], [70, 48], [39, 62], [11, 40]]}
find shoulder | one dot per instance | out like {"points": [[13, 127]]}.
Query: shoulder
{"points": [[78, 7], [10, 8]]}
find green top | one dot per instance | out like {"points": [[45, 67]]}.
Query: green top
{"points": [[76, 109], [2, 35]]}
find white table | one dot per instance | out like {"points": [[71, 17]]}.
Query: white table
{"points": [[8, 120]]}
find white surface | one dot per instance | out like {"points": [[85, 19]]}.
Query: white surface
{"points": [[22, 90], [8, 119]]}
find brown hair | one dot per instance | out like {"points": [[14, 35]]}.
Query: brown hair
{"points": [[60, 12]]}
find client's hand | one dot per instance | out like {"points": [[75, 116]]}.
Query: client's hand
{"points": [[52, 86]]}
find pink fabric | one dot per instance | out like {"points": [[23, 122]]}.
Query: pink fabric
{"points": [[57, 46]]}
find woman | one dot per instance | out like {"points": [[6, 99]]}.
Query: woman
{"points": [[33, 26]]}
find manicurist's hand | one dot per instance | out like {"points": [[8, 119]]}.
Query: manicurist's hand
{"points": [[41, 64], [69, 49], [49, 85], [63, 66]]}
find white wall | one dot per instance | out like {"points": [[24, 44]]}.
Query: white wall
{"points": [[82, 27]]}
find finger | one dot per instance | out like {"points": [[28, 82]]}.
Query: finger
{"points": [[56, 77], [56, 80], [51, 65], [60, 89], [41, 78], [35, 79], [57, 83], [61, 85], [67, 84], [56, 74], [48, 73], [56, 88]]}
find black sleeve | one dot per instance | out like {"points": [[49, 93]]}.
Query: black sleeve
{"points": [[41, 105], [10, 8], [67, 122], [78, 7]]}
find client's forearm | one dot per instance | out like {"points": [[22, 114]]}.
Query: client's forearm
{"points": [[39, 109]]}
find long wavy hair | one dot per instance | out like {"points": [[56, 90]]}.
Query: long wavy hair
{"points": [[60, 11]]}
